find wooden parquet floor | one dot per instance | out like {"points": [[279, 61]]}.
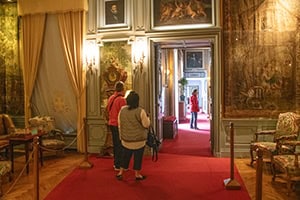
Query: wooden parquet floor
{"points": [[56, 168], [270, 190]]}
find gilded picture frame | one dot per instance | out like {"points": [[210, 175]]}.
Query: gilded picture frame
{"points": [[194, 60], [113, 14], [182, 14]]}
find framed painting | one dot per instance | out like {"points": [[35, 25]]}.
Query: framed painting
{"points": [[113, 14], [193, 60], [182, 14]]}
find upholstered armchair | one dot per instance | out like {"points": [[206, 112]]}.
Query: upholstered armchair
{"points": [[53, 140], [287, 128], [287, 166], [7, 128], [5, 171]]}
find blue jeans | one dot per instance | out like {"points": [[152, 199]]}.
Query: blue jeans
{"points": [[193, 122], [117, 146], [137, 158]]}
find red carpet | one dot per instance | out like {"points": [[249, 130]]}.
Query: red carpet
{"points": [[184, 170], [188, 142], [172, 177]]}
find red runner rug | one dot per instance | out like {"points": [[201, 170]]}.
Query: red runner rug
{"points": [[188, 142], [184, 170], [173, 177]]}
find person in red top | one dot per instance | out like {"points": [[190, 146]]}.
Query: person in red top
{"points": [[194, 109], [114, 105]]}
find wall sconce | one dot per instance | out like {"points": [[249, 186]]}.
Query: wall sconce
{"points": [[91, 55], [139, 52]]}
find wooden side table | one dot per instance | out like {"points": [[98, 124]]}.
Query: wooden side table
{"points": [[22, 139], [13, 141]]}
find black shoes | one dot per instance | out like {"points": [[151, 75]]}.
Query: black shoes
{"points": [[195, 128], [140, 178], [119, 177]]}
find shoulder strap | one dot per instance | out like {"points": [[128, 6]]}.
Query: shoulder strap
{"points": [[155, 154], [155, 147], [113, 102]]}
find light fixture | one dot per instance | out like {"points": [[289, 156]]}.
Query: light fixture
{"points": [[91, 55], [139, 51]]}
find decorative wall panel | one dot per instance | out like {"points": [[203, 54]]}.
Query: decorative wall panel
{"points": [[11, 84], [115, 65]]}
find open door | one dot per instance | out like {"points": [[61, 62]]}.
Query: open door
{"points": [[159, 93], [166, 94], [210, 97]]}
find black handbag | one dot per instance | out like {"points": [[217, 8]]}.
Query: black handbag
{"points": [[153, 142]]}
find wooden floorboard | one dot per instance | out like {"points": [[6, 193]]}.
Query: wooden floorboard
{"points": [[271, 190], [56, 168]]}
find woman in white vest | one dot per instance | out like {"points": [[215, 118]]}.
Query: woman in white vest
{"points": [[133, 128]]}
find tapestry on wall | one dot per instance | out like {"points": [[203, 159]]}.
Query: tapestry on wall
{"points": [[115, 65], [11, 84], [261, 55]]}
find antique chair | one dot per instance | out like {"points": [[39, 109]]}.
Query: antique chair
{"points": [[7, 127], [287, 128], [53, 140], [5, 170], [287, 166]]}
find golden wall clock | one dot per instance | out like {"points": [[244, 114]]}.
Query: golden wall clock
{"points": [[111, 76]]}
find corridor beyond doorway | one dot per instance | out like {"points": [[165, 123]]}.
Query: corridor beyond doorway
{"points": [[188, 142], [172, 60], [203, 121]]}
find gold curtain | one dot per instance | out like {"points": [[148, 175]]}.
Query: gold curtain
{"points": [[31, 43], [72, 32], [71, 14]]}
